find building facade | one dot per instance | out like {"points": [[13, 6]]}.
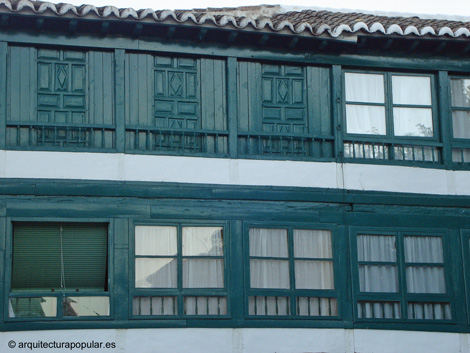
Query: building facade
{"points": [[233, 180]]}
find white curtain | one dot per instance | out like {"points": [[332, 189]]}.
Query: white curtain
{"points": [[313, 244], [429, 311], [379, 310], [415, 90], [263, 305], [317, 306], [377, 278], [412, 122], [155, 240], [366, 88], [365, 119], [461, 124], [156, 272], [154, 306], [268, 242], [269, 273], [205, 305], [424, 279], [460, 89], [203, 241], [203, 273]]}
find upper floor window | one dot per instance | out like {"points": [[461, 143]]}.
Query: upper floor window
{"points": [[389, 104], [460, 102], [291, 273], [59, 270], [401, 276], [179, 270]]}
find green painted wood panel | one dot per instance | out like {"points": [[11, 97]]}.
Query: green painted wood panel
{"points": [[176, 105], [60, 98], [284, 111]]}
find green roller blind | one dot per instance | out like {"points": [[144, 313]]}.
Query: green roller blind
{"points": [[37, 260]]}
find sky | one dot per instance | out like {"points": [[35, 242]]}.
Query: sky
{"points": [[446, 8]]}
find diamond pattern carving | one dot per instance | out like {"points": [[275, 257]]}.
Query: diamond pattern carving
{"points": [[62, 77], [283, 90], [176, 85]]}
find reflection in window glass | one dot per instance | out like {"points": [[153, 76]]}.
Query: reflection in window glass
{"points": [[203, 241], [412, 122], [414, 90], [460, 89], [32, 307], [365, 119], [366, 88], [86, 306], [461, 124]]}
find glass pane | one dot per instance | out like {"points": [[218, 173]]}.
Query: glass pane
{"points": [[460, 89], [364, 88], [86, 306], [461, 155], [312, 306], [425, 279], [429, 311], [262, 305], [411, 90], [32, 307], [378, 310], [461, 124], [365, 119], [155, 240], [268, 242], [269, 274], [378, 278], [412, 122], [155, 273], [203, 273], [205, 306], [203, 241], [154, 306], [376, 248], [423, 249], [314, 275], [313, 244]]}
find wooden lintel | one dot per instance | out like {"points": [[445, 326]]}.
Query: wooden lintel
{"points": [[138, 29], [232, 37], [171, 32], [293, 43], [388, 44], [105, 27], [263, 40], [441, 46], [39, 23], [4, 20], [202, 34], [323, 44], [414, 45], [362, 41], [73, 26]]}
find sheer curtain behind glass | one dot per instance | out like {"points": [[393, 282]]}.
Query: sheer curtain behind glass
{"points": [[271, 272], [200, 270], [155, 263]]}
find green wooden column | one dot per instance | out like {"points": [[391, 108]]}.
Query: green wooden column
{"points": [[3, 96], [120, 267], [337, 101], [445, 118], [232, 111], [120, 94]]}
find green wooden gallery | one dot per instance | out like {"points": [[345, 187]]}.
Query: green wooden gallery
{"points": [[250, 179]]}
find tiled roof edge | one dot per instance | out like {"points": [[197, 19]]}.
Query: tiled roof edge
{"points": [[273, 17]]}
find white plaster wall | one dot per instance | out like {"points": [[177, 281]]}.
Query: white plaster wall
{"points": [[194, 340], [125, 167]]}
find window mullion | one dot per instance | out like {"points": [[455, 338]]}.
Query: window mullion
{"points": [[179, 242], [389, 109], [290, 245], [402, 285]]}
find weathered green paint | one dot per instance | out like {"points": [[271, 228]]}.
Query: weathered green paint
{"points": [[3, 88], [120, 104]]}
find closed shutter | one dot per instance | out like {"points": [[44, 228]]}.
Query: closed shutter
{"points": [[37, 262]]}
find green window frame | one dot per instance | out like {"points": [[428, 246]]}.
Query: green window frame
{"points": [[279, 260], [58, 270], [382, 98], [460, 118], [180, 270], [402, 276]]}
